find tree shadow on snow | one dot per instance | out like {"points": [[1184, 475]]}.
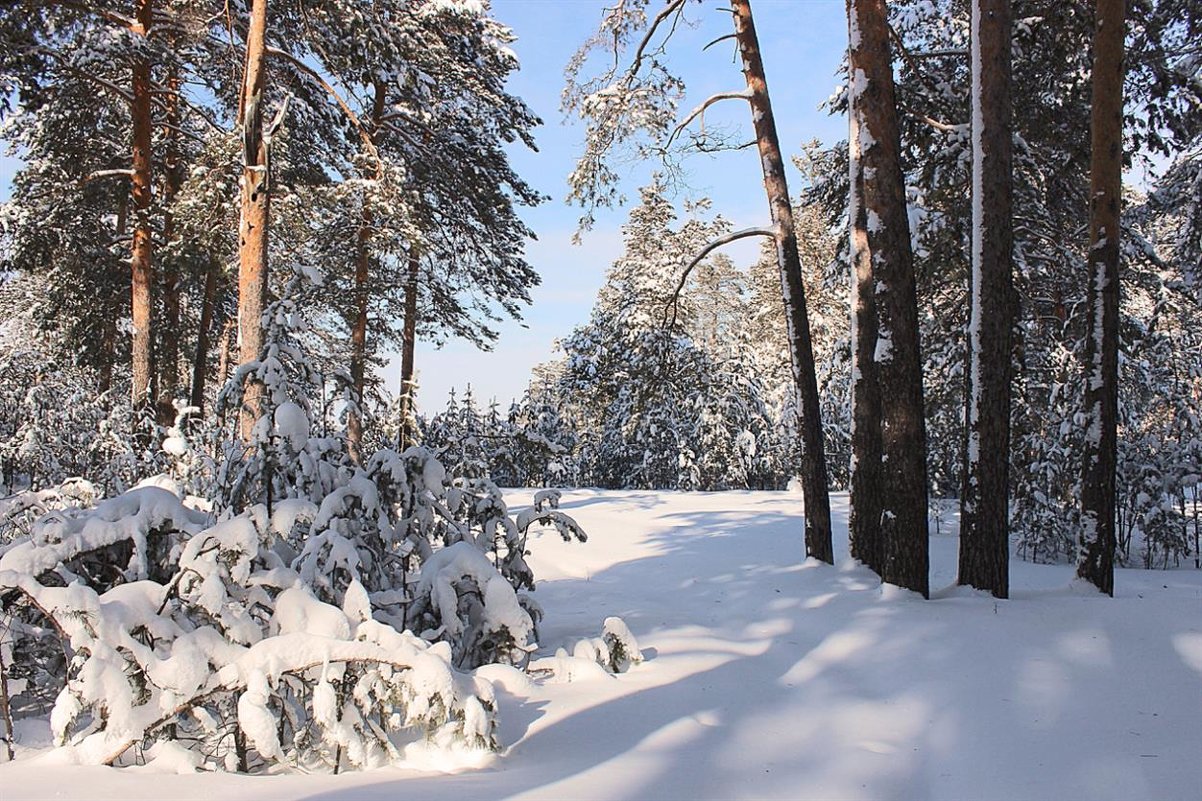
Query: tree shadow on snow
{"points": [[774, 679]]}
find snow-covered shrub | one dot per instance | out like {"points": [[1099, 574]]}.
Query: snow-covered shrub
{"points": [[19, 511], [233, 652], [306, 609], [616, 649], [298, 634]]}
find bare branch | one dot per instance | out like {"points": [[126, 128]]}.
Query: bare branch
{"points": [[939, 126], [939, 53], [719, 39], [734, 236], [744, 94], [673, 7]]}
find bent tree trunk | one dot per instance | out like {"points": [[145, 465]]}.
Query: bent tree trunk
{"points": [[984, 502], [255, 214], [814, 480], [895, 356], [1095, 561]]}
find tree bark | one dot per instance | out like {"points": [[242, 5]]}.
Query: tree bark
{"points": [[408, 431], [168, 361], [864, 512], [142, 255], [200, 361], [814, 481], [896, 357], [354, 418], [984, 502], [255, 213], [1095, 561], [225, 354]]}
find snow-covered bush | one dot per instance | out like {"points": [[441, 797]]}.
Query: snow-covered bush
{"points": [[306, 634], [232, 651]]}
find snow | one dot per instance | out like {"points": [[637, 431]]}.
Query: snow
{"points": [[768, 677]]}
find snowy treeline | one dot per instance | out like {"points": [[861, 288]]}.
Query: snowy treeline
{"points": [[920, 133], [667, 390]]}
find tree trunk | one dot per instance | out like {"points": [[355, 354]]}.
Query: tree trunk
{"points": [[200, 362], [354, 418], [984, 502], [1095, 561], [141, 256], [896, 358], [408, 429], [168, 361], [224, 355], [813, 461], [864, 512], [255, 213]]}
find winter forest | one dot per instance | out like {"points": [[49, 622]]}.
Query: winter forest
{"points": [[830, 425]]}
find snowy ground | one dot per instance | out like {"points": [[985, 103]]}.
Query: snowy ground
{"points": [[767, 678]]}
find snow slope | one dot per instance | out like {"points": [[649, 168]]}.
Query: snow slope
{"points": [[768, 678]]}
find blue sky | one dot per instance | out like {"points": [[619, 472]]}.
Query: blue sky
{"points": [[802, 44]]}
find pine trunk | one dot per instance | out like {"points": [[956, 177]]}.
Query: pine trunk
{"points": [[984, 502], [225, 354], [814, 481], [354, 419], [896, 357], [1097, 539], [864, 512], [255, 213], [408, 432], [201, 359], [142, 254], [168, 361]]}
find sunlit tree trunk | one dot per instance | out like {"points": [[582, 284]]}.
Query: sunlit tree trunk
{"points": [[864, 512], [142, 255], [255, 213], [814, 481]]}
